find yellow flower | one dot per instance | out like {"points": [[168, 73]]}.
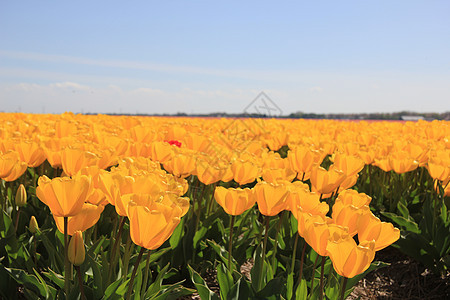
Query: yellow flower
{"points": [[85, 219], [234, 201], [348, 258], [21, 196], [33, 227], [63, 195], [271, 198], [76, 251], [244, 171], [151, 226], [11, 167], [370, 228], [325, 182]]}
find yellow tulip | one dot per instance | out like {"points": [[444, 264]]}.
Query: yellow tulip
{"points": [[11, 167], [33, 227], [271, 198], [76, 251], [85, 219], [234, 201], [151, 226], [325, 182], [348, 258], [63, 195], [352, 197], [21, 196], [370, 228], [244, 171]]}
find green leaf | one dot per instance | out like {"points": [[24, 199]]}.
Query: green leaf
{"points": [[177, 234], [240, 290], [225, 280], [96, 275], [155, 287], [302, 291], [201, 286], [272, 288], [55, 277], [198, 236], [31, 282], [401, 221], [223, 254], [290, 286], [116, 290], [403, 210], [6, 226]]}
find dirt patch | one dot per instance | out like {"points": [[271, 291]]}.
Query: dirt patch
{"points": [[403, 278]]}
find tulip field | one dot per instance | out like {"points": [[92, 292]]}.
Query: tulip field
{"points": [[126, 207]]}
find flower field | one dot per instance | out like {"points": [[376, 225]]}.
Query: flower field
{"points": [[112, 207]]}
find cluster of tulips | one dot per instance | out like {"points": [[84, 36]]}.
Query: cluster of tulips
{"points": [[151, 169]]}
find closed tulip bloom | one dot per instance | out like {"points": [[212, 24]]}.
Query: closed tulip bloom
{"points": [[439, 169], [161, 151], [76, 251], [383, 164], [348, 164], [271, 198], [30, 152], [370, 228], [305, 218], [401, 162], [63, 195], [347, 215], [244, 171], [11, 167], [354, 198], [348, 258], [234, 201], [348, 182], [302, 159], [151, 226], [181, 165], [21, 196], [279, 174], [73, 160], [317, 235], [85, 219], [307, 201], [33, 227], [208, 173], [325, 182]]}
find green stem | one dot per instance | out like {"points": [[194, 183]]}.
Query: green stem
{"points": [[266, 220], [16, 224], [302, 259], [112, 262], [314, 274], [294, 253], [146, 273], [230, 243], [126, 258], [344, 283], [211, 201], [80, 282], [66, 258], [280, 221], [136, 265], [322, 269]]}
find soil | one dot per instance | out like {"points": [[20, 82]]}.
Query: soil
{"points": [[404, 278]]}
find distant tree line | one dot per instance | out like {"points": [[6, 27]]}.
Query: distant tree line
{"points": [[402, 115]]}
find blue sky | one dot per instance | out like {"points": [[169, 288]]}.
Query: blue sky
{"points": [[209, 56]]}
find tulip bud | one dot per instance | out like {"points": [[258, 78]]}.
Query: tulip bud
{"points": [[21, 196], [33, 227], [76, 249]]}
